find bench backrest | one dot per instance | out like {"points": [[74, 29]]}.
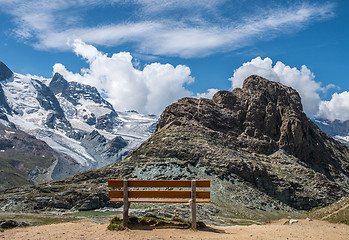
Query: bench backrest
{"points": [[174, 194]]}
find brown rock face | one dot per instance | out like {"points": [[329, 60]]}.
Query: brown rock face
{"points": [[266, 118], [262, 117], [262, 153]]}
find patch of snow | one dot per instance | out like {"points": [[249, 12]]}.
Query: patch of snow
{"points": [[9, 132], [21, 97], [322, 122], [95, 108], [342, 138], [56, 140], [63, 144], [136, 125]]}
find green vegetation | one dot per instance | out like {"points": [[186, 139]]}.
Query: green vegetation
{"points": [[115, 224], [152, 221], [51, 220], [11, 177], [15, 166], [37, 219], [337, 212], [340, 217], [94, 213]]}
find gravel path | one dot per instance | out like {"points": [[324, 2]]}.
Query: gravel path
{"points": [[304, 229]]}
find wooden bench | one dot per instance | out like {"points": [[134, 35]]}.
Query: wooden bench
{"points": [[127, 196]]}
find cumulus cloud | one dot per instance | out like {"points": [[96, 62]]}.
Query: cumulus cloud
{"points": [[148, 91], [336, 108]]}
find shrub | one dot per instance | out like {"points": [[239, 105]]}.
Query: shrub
{"points": [[115, 224]]}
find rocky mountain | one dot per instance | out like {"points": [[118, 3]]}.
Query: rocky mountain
{"points": [[264, 156], [68, 116], [83, 104], [337, 129]]}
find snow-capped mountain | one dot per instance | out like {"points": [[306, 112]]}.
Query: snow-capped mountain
{"points": [[337, 129], [72, 118]]}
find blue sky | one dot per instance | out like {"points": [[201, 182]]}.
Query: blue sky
{"points": [[209, 40]]}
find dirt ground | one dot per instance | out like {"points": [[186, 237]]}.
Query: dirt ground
{"points": [[304, 229]]}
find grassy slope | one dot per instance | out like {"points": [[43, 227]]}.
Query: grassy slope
{"points": [[337, 212], [22, 155]]}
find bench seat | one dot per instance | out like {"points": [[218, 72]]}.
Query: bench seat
{"points": [[154, 200]]}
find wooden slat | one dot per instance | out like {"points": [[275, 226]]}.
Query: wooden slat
{"points": [[158, 183], [157, 194], [115, 183], [157, 200]]}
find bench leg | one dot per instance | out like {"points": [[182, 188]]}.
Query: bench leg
{"points": [[126, 203], [193, 204], [125, 214]]}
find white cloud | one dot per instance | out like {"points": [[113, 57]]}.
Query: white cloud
{"points": [[336, 108], [156, 28], [156, 6], [148, 91], [208, 94], [89, 52]]}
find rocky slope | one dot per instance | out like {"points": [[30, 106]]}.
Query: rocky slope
{"points": [[262, 153], [27, 160]]}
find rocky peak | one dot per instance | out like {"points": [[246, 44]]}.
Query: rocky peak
{"points": [[58, 83], [49, 102], [5, 72], [116, 144], [262, 116], [74, 91], [261, 90], [93, 108], [264, 111], [96, 136]]}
